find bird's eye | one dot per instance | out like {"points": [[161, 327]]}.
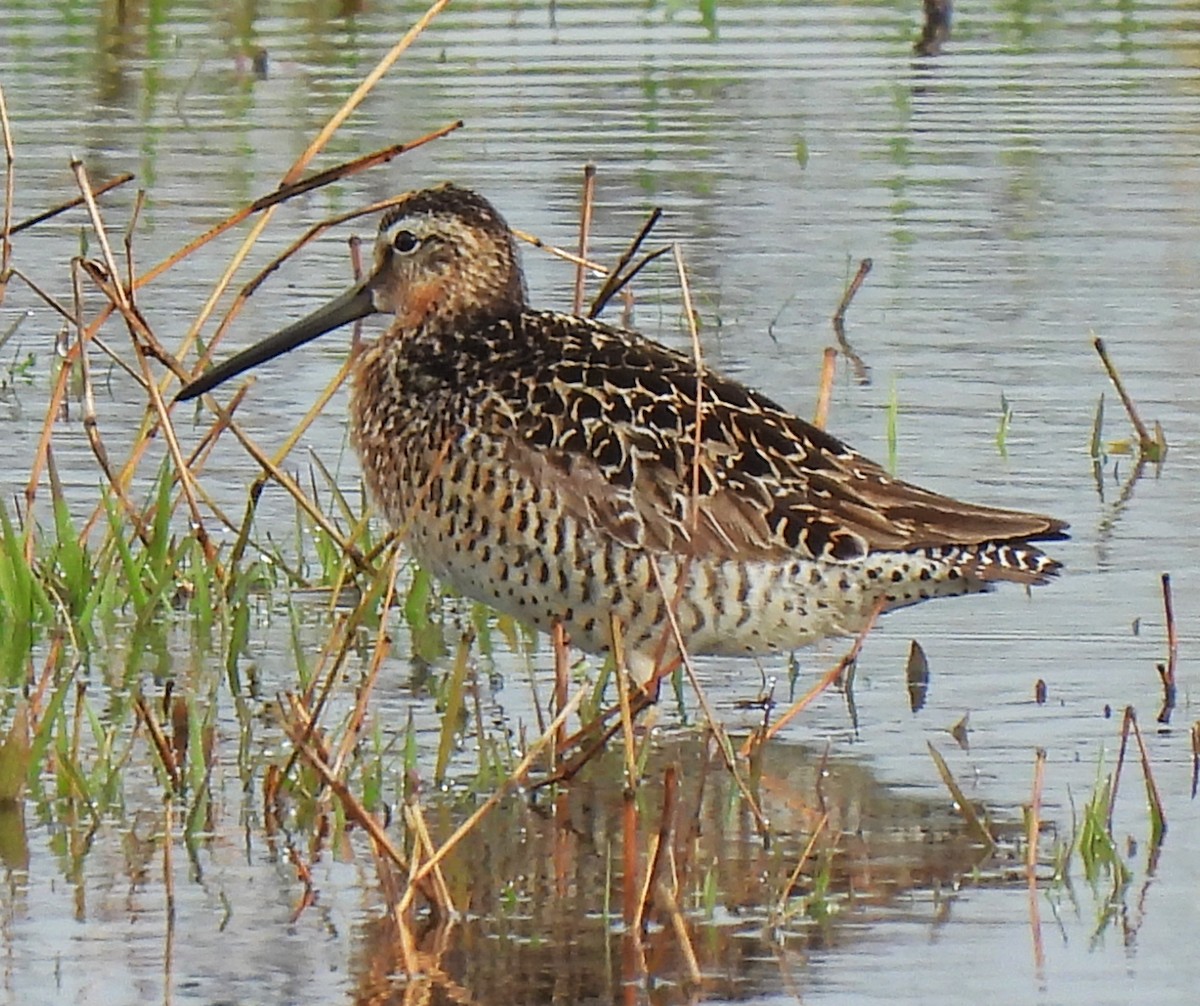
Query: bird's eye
{"points": [[406, 242]]}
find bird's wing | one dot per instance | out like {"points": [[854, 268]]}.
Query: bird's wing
{"points": [[609, 421]]}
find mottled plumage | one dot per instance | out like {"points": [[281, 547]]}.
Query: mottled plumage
{"points": [[546, 464]]}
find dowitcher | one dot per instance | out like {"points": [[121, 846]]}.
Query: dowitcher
{"points": [[560, 470]]}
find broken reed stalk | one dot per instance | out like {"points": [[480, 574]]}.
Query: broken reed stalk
{"points": [[169, 867], [1158, 817], [625, 688], [355, 811], [562, 670], [1033, 828], [964, 806], [629, 861], [162, 746], [10, 190], [585, 226], [685, 294], [660, 848], [70, 204], [862, 373], [1166, 672], [423, 847], [138, 332], [617, 278], [781, 903], [382, 648], [1150, 447], [825, 389], [1034, 821], [1158, 820], [839, 316]]}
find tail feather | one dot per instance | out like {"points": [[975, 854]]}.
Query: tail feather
{"points": [[1001, 561]]}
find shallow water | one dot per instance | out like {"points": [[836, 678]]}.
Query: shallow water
{"points": [[1032, 186]]}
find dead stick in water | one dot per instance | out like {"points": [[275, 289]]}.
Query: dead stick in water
{"points": [[1166, 672], [864, 267], [862, 372], [1143, 434], [616, 278], [828, 363], [585, 227], [1034, 825]]}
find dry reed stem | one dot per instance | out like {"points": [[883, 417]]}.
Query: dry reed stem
{"points": [[70, 204], [1031, 854], [1152, 794], [139, 201], [1126, 722], [562, 667], [348, 169], [382, 643], [685, 294], [825, 389], [304, 875], [781, 904], [625, 686], [91, 426], [682, 936], [585, 227], [661, 846], [1167, 672], [169, 870], [839, 316], [557, 252], [1145, 441], [166, 753], [629, 861], [514, 779], [827, 679], [615, 280], [10, 190], [1039, 954], [1035, 820], [137, 327], [714, 724], [862, 373], [311, 702], [42, 449], [423, 846], [356, 812], [38, 692]]}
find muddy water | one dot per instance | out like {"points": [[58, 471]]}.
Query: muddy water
{"points": [[1034, 185]]}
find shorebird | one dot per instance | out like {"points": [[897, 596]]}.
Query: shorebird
{"points": [[560, 469]]}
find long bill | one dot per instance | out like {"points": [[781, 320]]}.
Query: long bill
{"points": [[355, 303]]}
